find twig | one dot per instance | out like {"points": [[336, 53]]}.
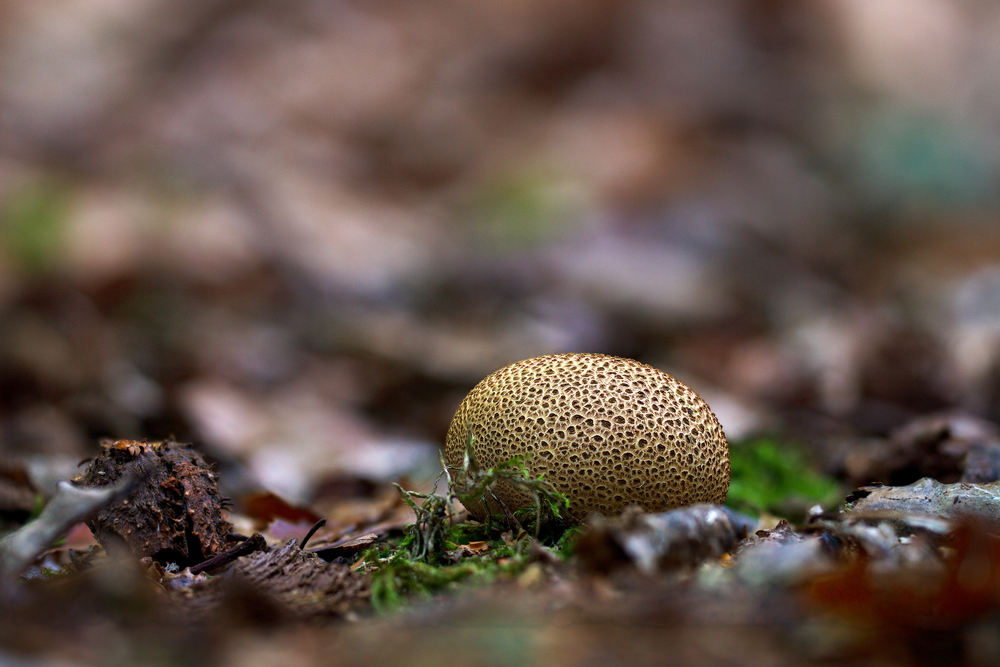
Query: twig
{"points": [[254, 543]]}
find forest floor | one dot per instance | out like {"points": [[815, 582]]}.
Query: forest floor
{"points": [[297, 236]]}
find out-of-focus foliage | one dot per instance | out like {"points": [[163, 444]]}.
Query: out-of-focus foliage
{"points": [[911, 161], [33, 225], [300, 237], [523, 210]]}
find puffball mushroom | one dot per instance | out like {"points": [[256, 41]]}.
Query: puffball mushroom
{"points": [[605, 431]]}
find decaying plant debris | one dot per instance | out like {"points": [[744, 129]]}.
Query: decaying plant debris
{"points": [[666, 542], [174, 514], [907, 560], [949, 447], [896, 560], [285, 583], [928, 498], [70, 505], [473, 485], [159, 503]]}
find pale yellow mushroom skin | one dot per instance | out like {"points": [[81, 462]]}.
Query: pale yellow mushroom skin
{"points": [[605, 431]]}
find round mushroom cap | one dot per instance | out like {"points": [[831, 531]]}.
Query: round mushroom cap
{"points": [[605, 431]]}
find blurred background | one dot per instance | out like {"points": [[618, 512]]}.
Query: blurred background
{"points": [[298, 233]]}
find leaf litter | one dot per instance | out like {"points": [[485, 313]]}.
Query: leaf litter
{"points": [[258, 244], [917, 564]]}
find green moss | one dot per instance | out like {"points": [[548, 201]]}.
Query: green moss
{"points": [[768, 477], [425, 560], [33, 225], [399, 578], [473, 486]]}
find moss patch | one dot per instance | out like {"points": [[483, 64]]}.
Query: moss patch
{"points": [[768, 477], [438, 553]]}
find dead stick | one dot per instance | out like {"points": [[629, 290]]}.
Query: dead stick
{"points": [[254, 543]]}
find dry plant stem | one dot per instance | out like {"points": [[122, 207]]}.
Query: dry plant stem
{"points": [[478, 489], [70, 505], [255, 542], [434, 514], [473, 475], [312, 531], [431, 517]]}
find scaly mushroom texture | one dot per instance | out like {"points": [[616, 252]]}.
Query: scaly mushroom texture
{"points": [[605, 431]]}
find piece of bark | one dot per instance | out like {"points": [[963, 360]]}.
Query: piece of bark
{"points": [[267, 587], [349, 547], [299, 584], [174, 515], [959, 502]]}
